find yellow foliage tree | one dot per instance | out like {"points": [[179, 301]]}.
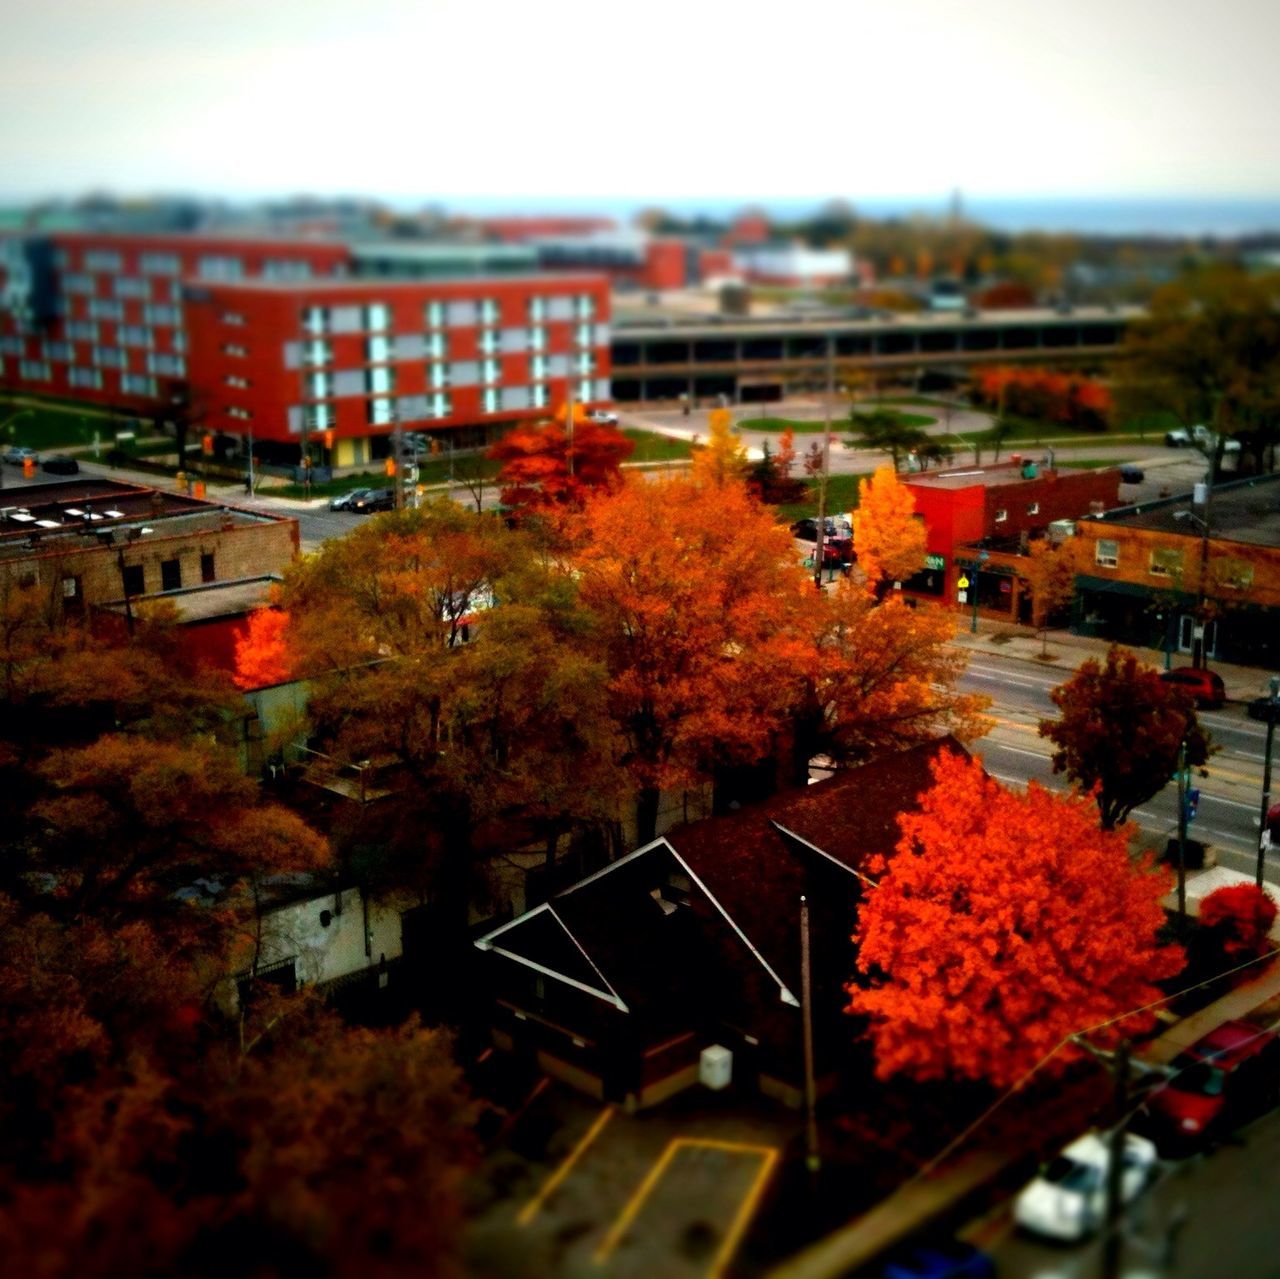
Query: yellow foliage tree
{"points": [[724, 456], [887, 538]]}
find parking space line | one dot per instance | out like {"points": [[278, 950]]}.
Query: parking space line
{"points": [[768, 1155], [532, 1208]]}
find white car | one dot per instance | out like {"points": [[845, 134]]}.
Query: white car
{"points": [[1068, 1200], [602, 417]]}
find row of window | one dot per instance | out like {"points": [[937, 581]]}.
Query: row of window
{"points": [[1167, 562], [1002, 515], [88, 378], [375, 317], [381, 349], [134, 576], [381, 379], [162, 362]]}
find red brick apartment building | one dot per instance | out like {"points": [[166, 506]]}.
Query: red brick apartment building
{"points": [[337, 363], [996, 509]]}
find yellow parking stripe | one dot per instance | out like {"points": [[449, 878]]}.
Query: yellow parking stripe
{"points": [[531, 1209]]}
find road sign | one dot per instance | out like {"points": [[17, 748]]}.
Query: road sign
{"points": [[963, 584], [964, 597]]}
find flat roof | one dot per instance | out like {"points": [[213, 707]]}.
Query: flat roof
{"points": [[999, 475], [1245, 511], [437, 251], [373, 284], [208, 601]]}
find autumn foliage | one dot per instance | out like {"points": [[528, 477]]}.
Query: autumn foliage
{"points": [[1070, 400], [1002, 924], [723, 458], [1242, 915], [887, 538], [263, 655]]}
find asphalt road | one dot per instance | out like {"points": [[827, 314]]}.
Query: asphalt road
{"points": [[1209, 1216], [1230, 794]]}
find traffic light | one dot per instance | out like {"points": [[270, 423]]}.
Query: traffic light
{"points": [[206, 444], [1193, 804], [328, 439], [28, 468], [435, 448], [391, 468]]}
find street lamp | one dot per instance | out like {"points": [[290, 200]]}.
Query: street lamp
{"points": [[976, 568], [1264, 834]]}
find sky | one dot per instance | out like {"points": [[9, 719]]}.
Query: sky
{"points": [[563, 100]]}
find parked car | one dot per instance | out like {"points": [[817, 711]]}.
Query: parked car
{"points": [[1204, 686], [374, 500], [16, 455], [1068, 1200], [1131, 475], [1265, 709], [806, 530], [602, 417], [1224, 1079], [344, 501], [61, 464], [1201, 437], [938, 1259]]}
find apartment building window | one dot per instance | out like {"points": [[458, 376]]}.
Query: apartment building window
{"points": [[240, 383], [235, 350], [170, 575], [82, 330], [320, 417], [77, 283], [237, 412], [586, 306], [1001, 515], [215, 266], [489, 311], [582, 335], [62, 352], [490, 370], [208, 570], [35, 370], [87, 379], [584, 389], [102, 260], [539, 395], [491, 399], [537, 310], [440, 404], [159, 264], [108, 357], [538, 367], [165, 364], [438, 375], [178, 340], [12, 345], [232, 317], [131, 286], [1166, 563], [319, 385], [317, 352], [437, 345], [1106, 553], [106, 309], [537, 338], [380, 413], [380, 381], [138, 384], [434, 312], [134, 335], [161, 313], [286, 269], [377, 350], [377, 316], [315, 320], [585, 363], [1033, 508], [134, 579], [488, 342]]}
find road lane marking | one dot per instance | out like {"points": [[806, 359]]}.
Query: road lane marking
{"points": [[532, 1208], [741, 1219]]}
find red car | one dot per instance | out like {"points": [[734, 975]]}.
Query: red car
{"points": [[1229, 1076], [1204, 686]]}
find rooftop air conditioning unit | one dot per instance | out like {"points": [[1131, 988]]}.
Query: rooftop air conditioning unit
{"points": [[1060, 530]]}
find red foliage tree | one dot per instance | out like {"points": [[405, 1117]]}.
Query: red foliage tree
{"points": [[1242, 915], [1002, 924], [262, 652]]}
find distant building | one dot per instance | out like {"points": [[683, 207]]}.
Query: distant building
{"points": [[1151, 562], [793, 265]]}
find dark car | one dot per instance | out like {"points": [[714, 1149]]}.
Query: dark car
{"points": [[938, 1259], [344, 501], [1265, 709], [1220, 1082], [18, 454], [375, 500], [1204, 686], [60, 464], [806, 530], [1131, 475]]}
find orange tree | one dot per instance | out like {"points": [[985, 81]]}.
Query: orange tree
{"points": [[1119, 730], [723, 459], [887, 538], [700, 611], [1241, 916], [1002, 924], [262, 651]]}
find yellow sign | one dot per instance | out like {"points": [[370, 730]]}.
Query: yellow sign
{"points": [[963, 584]]}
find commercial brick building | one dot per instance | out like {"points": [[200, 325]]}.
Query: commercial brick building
{"points": [[332, 365]]}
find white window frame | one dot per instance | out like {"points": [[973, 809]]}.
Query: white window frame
{"points": [[1104, 559]]}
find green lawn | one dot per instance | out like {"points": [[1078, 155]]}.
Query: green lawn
{"points": [[842, 495], [46, 427], [838, 424], [904, 419], [653, 447]]}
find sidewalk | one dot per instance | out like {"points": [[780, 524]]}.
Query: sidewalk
{"points": [[1067, 652]]}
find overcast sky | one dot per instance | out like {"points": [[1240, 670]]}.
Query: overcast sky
{"points": [[435, 99]]}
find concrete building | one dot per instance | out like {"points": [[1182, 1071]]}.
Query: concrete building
{"points": [[1153, 563], [793, 265]]}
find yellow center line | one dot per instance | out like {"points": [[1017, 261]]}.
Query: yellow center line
{"points": [[531, 1209]]}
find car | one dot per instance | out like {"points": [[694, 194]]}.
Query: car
{"points": [[1230, 1076], [1131, 475], [374, 500], [602, 417], [1204, 686], [806, 530], [61, 464], [1178, 439], [1265, 709], [16, 455], [938, 1259], [344, 501], [1068, 1200]]}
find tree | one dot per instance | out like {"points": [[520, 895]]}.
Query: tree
{"points": [[1049, 570], [262, 652], [887, 538], [698, 607], [880, 679], [1002, 924], [886, 431], [723, 459], [1242, 915], [1119, 731]]}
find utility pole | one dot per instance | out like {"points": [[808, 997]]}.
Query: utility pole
{"points": [[1115, 1162], [568, 414], [397, 437], [1264, 835], [813, 1159], [820, 543], [1182, 833]]}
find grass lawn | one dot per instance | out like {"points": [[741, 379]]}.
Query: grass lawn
{"points": [[839, 424], [919, 401], [431, 470], [842, 495], [45, 427], [654, 447]]}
